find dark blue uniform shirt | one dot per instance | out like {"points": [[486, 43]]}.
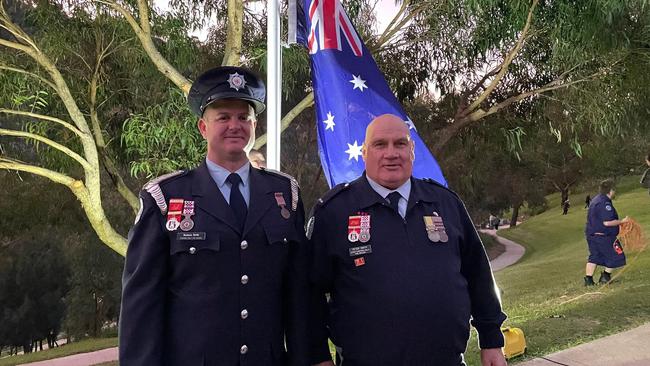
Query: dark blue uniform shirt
{"points": [[601, 209], [216, 294], [400, 299]]}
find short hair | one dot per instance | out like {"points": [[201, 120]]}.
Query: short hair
{"points": [[606, 186]]}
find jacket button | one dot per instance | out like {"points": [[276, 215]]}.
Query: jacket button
{"points": [[243, 350], [192, 250], [285, 240], [244, 279], [244, 245], [244, 314]]}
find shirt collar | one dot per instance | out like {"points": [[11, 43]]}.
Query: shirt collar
{"points": [[220, 174], [404, 190]]}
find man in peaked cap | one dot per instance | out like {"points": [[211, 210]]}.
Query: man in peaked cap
{"points": [[215, 270]]}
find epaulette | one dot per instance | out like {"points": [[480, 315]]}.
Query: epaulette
{"points": [[294, 185], [153, 187], [309, 227], [332, 193], [436, 183]]}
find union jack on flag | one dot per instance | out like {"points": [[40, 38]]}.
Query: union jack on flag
{"points": [[330, 19], [350, 92]]}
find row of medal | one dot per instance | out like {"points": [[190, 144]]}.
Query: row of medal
{"points": [[359, 228], [178, 207], [435, 228]]}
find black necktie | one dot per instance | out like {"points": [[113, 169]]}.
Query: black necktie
{"points": [[237, 202], [393, 200]]}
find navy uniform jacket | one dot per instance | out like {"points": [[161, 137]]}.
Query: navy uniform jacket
{"points": [[409, 301], [226, 298], [601, 209]]}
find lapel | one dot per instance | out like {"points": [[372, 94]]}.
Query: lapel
{"points": [[418, 195], [366, 196], [259, 199], [208, 197]]}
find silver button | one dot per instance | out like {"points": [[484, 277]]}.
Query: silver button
{"points": [[244, 244], [244, 314], [243, 349], [192, 250], [244, 279], [285, 240]]}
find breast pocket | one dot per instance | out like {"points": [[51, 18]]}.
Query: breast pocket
{"points": [[195, 263]]}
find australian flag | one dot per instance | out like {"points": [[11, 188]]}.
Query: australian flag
{"points": [[350, 92]]}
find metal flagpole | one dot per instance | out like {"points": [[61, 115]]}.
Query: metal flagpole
{"points": [[273, 84]]}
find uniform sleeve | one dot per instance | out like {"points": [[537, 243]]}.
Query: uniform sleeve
{"points": [[321, 283], [487, 316], [297, 306], [606, 212], [144, 286]]}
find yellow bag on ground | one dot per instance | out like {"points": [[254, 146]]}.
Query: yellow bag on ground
{"points": [[515, 343]]}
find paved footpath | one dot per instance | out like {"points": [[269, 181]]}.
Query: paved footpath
{"points": [[81, 359], [512, 254], [630, 348]]}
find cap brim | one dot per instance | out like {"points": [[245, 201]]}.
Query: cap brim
{"points": [[258, 106]]}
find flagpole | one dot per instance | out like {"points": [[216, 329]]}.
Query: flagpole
{"points": [[274, 84]]}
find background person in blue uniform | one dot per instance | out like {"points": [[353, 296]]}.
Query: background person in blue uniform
{"points": [[216, 271], [601, 231], [403, 266]]}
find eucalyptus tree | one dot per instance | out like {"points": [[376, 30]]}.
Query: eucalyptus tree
{"points": [[485, 56]]}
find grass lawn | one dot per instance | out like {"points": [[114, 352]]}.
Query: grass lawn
{"points": [[87, 345], [544, 294]]}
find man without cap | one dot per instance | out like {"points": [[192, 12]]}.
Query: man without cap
{"points": [[601, 231], [403, 266], [215, 270]]}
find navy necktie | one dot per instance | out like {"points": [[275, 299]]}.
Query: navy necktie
{"points": [[237, 203], [393, 201]]}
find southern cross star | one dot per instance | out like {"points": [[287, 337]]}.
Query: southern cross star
{"points": [[354, 151], [410, 124], [358, 83], [329, 122]]}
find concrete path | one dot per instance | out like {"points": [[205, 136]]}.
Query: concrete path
{"points": [[512, 255], [81, 359], [630, 348]]}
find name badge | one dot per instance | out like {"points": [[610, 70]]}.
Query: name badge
{"points": [[190, 236], [364, 249]]}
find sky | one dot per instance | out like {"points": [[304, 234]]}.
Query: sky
{"points": [[386, 9]]}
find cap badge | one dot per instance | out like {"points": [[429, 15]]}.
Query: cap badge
{"points": [[236, 81]]}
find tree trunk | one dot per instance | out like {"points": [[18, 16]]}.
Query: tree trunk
{"points": [[515, 215], [565, 194]]}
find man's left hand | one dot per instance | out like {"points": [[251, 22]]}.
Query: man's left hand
{"points": [[492, 357]]}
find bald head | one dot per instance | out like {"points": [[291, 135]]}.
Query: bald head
{"points": [[386, 121], [388, 151]]}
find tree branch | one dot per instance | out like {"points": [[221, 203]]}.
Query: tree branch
{"points": [[63, 123], [556, 84], [11, 164], [22, 71], [305, 103], [108, 163], [150, 48], [143, 9], [48, 142], [234, 34], [503, 68]]}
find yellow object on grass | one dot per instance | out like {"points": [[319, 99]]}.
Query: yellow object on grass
{"points": [[515, 343]]}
